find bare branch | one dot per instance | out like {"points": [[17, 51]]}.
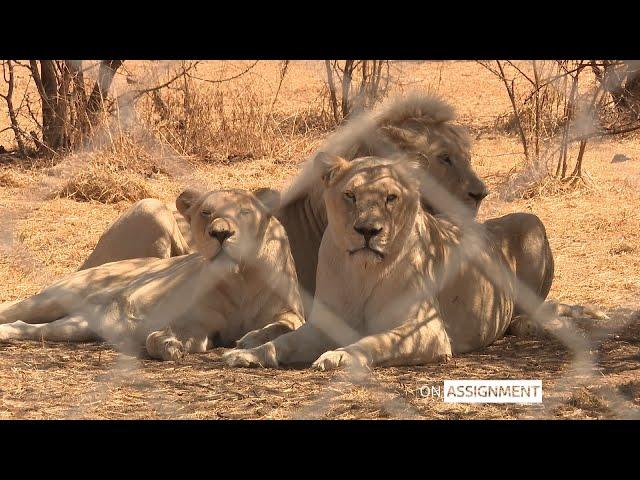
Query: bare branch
{"points": [[228, 78]]}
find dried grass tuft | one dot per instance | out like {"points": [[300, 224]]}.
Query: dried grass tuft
{"points": [[535, 180], [588, 401], [9, 179], [622, 247], [104, 184]]}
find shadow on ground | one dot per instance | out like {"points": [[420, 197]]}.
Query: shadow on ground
{"points": [[46, 380]]}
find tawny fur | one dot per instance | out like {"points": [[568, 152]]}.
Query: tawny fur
{"points": [[240, 285], [415, 291]]}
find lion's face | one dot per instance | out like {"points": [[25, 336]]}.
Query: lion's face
{"points": [[229, 221], [446, 159], [370, 203]]}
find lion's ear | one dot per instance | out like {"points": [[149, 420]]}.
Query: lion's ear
{"points": [[403, 137], [269, 198], [186, 200], [329, 166]]}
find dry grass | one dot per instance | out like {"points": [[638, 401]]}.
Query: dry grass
{"points": [[117, 171], [232, 123], [49, 380], [105, 185], [535, 180], [10, 179], [594, 232]]}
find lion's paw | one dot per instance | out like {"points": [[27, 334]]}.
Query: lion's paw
{"points": [[263, 356], [522, 326], [253, 339], [334, 359], [13, 331], [164, 347]]}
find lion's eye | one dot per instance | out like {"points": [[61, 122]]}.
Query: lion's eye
{"points": [[391, 198], [245, 211], [350, 196], [446, 160], [205, 213]]}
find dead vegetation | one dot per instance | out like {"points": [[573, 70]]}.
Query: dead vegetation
{"points": [[101, 183], [535, 180], [229, 124], [558, 104], [9, 179], [47, 380]]}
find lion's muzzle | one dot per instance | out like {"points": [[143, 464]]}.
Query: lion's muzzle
{"points": [[221, 230]]}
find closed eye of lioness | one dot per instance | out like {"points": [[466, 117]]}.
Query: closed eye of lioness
{"points": [[240, 284], [395, 285]]}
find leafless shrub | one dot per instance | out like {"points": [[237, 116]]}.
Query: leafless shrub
{"points": [[621, 80], [549, 114], [554, 110], [226, 124], [544, 113]]}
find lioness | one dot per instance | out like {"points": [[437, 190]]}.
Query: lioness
{"points": [[395, 285], [240, 285]]}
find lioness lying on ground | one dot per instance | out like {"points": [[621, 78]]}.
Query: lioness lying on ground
{"points": [[241, 284], [395, 285]]}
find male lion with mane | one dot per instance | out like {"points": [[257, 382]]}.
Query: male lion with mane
{"points": [[395, 284], [240, 286]]}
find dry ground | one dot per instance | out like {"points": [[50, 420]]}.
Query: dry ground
{"points": [[594, 233]]}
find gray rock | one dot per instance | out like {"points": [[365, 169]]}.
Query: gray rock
{"points": [[619, 158]]}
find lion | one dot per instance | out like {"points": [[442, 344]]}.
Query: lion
{"points": [[418, 124], [417, 127], [149, 228], [240, 286], [396, 285]]}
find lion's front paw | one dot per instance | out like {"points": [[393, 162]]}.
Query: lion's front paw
{"points": [[523, 327], [253, 339], [334, 359], [263, 356], [164, 347]]}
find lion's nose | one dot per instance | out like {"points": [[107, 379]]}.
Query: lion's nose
{"points": [[368, 231], [479, 196], [221, 235]]}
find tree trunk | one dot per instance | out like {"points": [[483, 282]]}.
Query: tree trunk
{"points": [[52, 122], [510, 91], [106, 73], [12, 114], [346, 87], [332, 91]]}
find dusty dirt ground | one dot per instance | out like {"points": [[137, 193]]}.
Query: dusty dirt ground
{"points": [[594, 233]]}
